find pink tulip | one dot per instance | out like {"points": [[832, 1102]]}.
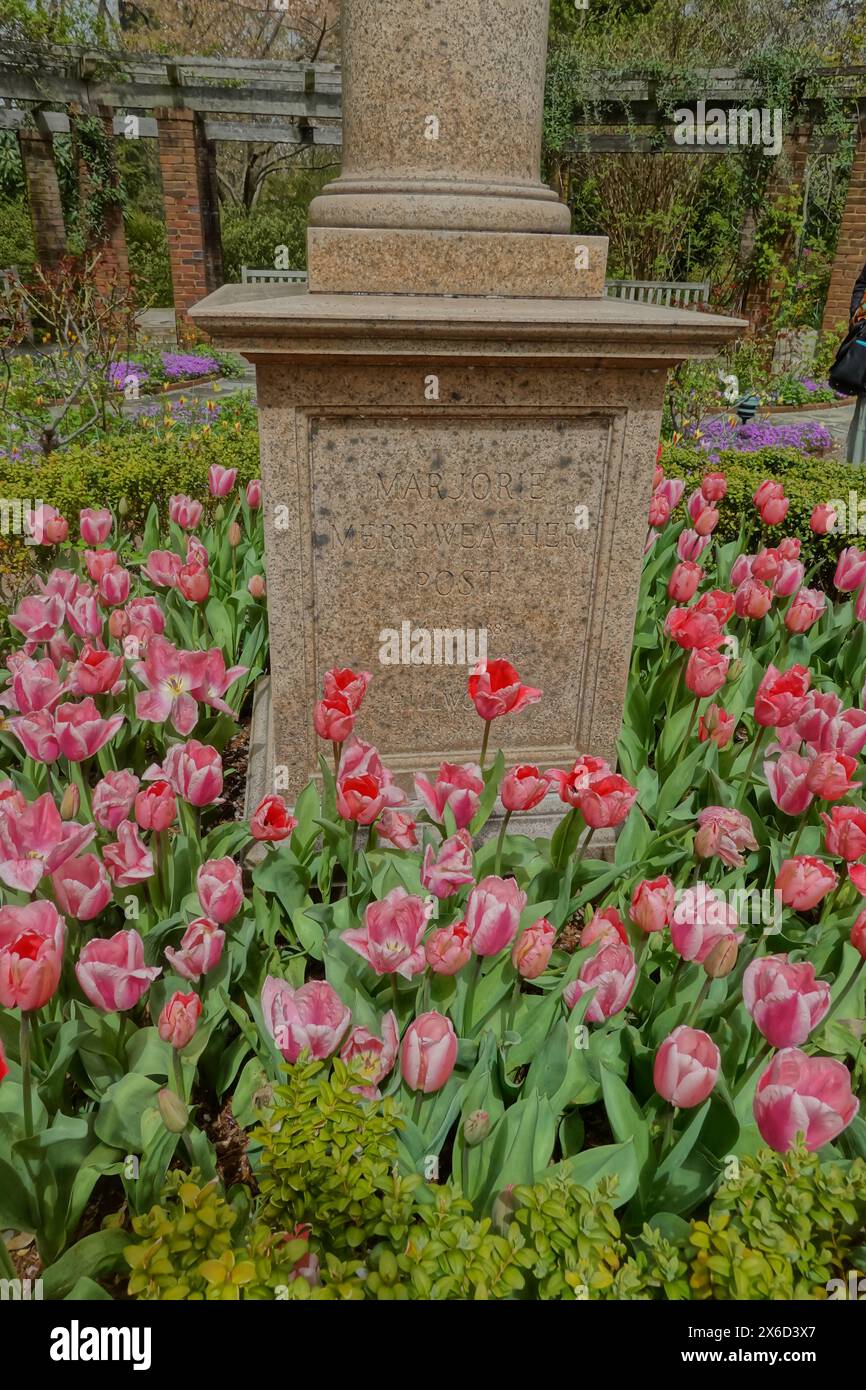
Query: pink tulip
{"points": [[254, 493], [81, 888], [46, 525], [574, 783], [428, 1053], [34, 686], [790, 577], [171, 678], [155, 807], [220, 889], [35, 840], [780, 696], [128, 861], [256, 587], [38, 617], [178, 1021], [607, 801], [659, 510], [671, 489], [691, 546], [845, 832], [495, 689], [823, 519], [450, 868], [719, 603], [701, 919], [686, 1067], [605, 925], [531, 951], [829, 776], [753, 599], [95, 526], [714, 486], [448, 949], [211, 680], [784, 1000], [312, 1018], [201, 949], [184, 512], [37, 735], [850, 569], [803, 881], [771, 502], [716, 724], [493, 911], [221, 480], [113, 797], [808, 606], [766, 564], [523, 788], [81, 730], [693, 627], [193, 581], [4, 1068], [352, 685], [360, 799], [803, 1095], [612, 973], [684, 581], [788, 781], [397, 829], [371, 1058], [194, 770], [458, 786], [652, 904], [114, 587], [146, 613], [390, 939], [858, 934], [31, 954], [163, 568], [113, 974], [706, 672]]}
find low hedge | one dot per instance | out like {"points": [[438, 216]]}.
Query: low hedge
{"points": [[807, 479], [133, 468]]}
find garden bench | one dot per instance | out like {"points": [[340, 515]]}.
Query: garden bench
{"points": [[674, 294]]}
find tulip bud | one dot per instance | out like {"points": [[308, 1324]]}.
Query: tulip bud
{"points": [[234, 534], [220, 513], [721, 960], [174, 1113], [70, 803], [256, 586], [476, 1127], [123, 507], [118, 623], [735, 670]]}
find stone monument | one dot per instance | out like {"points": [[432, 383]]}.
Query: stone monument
{"points": [[458, 430]]}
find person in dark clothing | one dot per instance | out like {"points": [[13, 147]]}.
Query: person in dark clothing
{"points": [[855, 448]]}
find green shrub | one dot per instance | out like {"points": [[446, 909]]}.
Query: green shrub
{"points": [[781, 1229], [16, 236], [807, 479], [147, 244], [134, 468], [252, 239]]}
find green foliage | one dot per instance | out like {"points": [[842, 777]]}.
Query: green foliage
{"points": [[185, 1249], [327, 1159], [781, 1229], [252, 239], [147, 245], [807, 481], [134, 468], [573, 1235], [16, 235]]}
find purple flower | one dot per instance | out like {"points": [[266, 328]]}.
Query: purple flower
{"points": [[119, 373], [178, 365]]}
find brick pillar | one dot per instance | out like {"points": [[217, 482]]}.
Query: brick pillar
{"points": [[111, 238], [43, 194], [851, 246], [785, 180], [187, 165]]}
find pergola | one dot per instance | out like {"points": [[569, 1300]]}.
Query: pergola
{"points": [[188, 104]]}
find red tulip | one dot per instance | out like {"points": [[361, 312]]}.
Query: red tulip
{"points": [[829, 776], [447, 949], [717, 724], [155, 806], [573, 784], [334, 718], [652, 903], [684, 581], [352, 685], [753, 599], [495, 689], [845, 832], [780, 696], [607, 801], [523, 787], [193, 581], [714, 486], [272, 820], [691, 628]]}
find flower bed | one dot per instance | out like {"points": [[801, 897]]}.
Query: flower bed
{"points": [[391, 1061]]}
